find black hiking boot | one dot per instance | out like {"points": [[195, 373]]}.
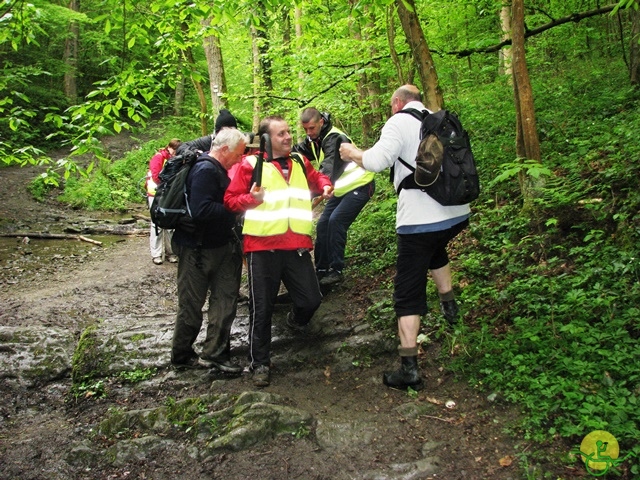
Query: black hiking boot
{"points": [[406, 376], [222, 364], [449, 309], [261, 376], [331, 278]]}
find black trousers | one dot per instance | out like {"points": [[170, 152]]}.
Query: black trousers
{"points": [[417, 254], [266, 270]]}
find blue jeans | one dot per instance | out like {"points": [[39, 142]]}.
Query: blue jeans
{"points": [[331, 230]]}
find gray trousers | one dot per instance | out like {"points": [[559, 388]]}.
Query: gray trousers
{"points": [[200, 271]]}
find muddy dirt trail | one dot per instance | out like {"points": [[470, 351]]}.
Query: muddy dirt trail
{"points": [[359, 428]]}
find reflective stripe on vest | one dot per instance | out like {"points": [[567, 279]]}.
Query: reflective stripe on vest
{"points": [[353, 175], [352, 178], [284, 206]]}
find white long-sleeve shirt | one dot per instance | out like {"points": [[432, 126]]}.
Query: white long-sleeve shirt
{"points": [[417, 212]]}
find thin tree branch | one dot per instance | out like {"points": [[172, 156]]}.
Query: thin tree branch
{"points": [[574, 17], [624, 54]]}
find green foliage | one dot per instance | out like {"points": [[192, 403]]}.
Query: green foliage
{"points": [[185, 414], [374, 231], [40, 186], [114, 186], [89, 389], [550, 299], [381, 315], [553, 301], [138, 375], [550, 303], [302, 431]]}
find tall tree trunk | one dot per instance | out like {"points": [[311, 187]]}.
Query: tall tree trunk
{"points": [[286, 31], [266, 70], [178, 101], [634, 50], [421, 54], [391, 38], [215, 65], [70, 58], [363, 103], [257, 83], [188, 57], [504, 67], [527, 142], [373, 80], [297, 21]]}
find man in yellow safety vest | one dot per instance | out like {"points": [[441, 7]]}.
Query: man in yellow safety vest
{"points": [[353, 187], [277, 238]]}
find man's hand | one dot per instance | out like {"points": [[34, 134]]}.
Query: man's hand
{"points": [[257, 192], [349, 152], [327, 192]]}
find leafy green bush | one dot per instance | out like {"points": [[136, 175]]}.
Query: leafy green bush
{"points": [[371, 246], [114, 186], [552, 303], [550, 299], [40, 186]]}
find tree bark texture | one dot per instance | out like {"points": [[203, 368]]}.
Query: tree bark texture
{"points": [[361, 88], [527, 141], [199, 90], [574, 17], [215, 65], [71, 56], [178, 101], [373, 85], [523, 92], [505, 53], [391, 39], [266, 70], [421, 55], [256, 78], [634, 50]]}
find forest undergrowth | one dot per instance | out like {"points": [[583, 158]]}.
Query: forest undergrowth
{"points": [[550, 292]]}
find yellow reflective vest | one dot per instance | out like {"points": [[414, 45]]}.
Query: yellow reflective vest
{"points": [[353, 175], [151, 185], [285, 205]]}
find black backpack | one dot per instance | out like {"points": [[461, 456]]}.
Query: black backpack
{"points": [[445, 168], [170, 204]]}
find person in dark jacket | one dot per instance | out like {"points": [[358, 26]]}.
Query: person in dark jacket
{"points": [[353, 187], [210, 260], [203, 144]]}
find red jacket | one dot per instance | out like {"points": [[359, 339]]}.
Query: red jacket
{"points": [[238, 199], [155, 167], [157, 162]]}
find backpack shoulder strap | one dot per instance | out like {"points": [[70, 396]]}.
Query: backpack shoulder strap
{"points": [[296, 157], [413, 169], [409, 181], [415, 113]]}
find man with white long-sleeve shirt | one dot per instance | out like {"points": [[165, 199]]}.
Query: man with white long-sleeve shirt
{"points": [[424, 228]]}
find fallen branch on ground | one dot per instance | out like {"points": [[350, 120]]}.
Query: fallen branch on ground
{"points": [[52, 236]]}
